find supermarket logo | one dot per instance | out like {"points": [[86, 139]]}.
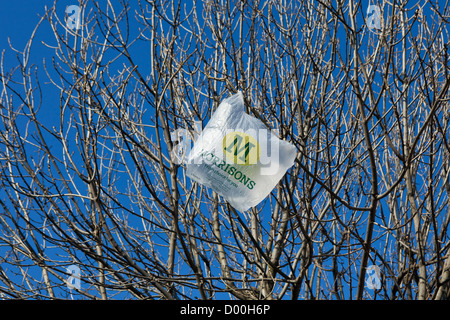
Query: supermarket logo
{"points": [[241, 148], [237, 147]]}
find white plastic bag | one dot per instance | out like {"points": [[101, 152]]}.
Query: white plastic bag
{"points": [[238, 157]]}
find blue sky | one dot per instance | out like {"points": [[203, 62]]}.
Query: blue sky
{"points": [[17, 22], [18, 19]]}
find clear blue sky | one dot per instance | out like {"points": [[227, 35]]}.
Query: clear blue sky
{"points": [[18, 18], [17, 21]]}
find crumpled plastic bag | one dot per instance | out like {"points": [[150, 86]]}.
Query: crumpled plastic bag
{"points": [[238, 157]]}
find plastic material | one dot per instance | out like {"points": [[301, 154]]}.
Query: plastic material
{"points": [[238, 157]]}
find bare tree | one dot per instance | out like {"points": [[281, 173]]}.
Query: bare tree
{"points": [[365, 104]]}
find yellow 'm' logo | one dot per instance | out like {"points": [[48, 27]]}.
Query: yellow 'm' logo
{"points": [[241, 148]]}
